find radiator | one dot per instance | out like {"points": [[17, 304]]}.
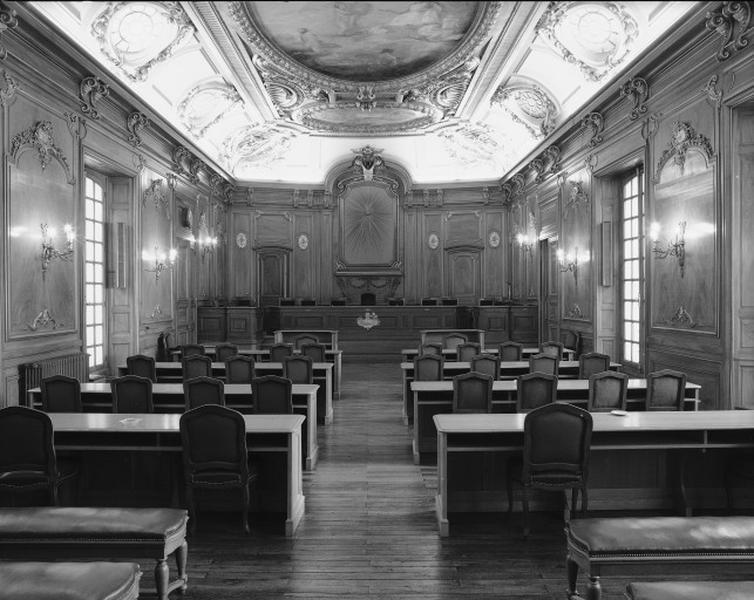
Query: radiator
{"points": [[31, 374]]}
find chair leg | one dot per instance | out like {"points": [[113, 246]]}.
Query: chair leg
{"points": [[525, 513], [191, 508], [245, 512], [509, 487], [584, 500]]}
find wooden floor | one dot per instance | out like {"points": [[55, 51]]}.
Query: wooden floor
{"points": [[369, 529]]}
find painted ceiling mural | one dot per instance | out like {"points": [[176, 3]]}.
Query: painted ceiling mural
{"points": [[282, 91]]}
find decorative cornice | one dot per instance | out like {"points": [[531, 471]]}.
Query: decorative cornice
{"points": [[8, 21], [40, 137], [91, 91], [683, 138], [731, 21], [638, 89], [136, 123], [596, 122]]}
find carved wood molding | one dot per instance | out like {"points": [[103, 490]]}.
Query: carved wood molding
{"points": [[8, 20], [638, 90], [91, 91], [683, 139], [136, 122], [156, 194], [40, 137], [9, 91], [596, 122], [76, 125], [731, 21], [713, 94]]}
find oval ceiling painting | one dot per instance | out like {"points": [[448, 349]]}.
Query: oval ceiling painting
{"points": [[359, 41]]}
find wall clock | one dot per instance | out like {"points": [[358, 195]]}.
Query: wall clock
{"points": [[241, 239]]}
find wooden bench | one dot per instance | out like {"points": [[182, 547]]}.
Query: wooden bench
{"points": [[691, 590], [74, 533], [69, 580], [598, 546]]}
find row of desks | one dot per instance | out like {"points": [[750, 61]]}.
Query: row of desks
{"points": [[431, 398], [274, 440], [509, 369], [323, 375], [168, 398], [461, 438], [450, 353]]}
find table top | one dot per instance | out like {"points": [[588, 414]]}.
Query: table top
{"points": [[510, 385], [211, 348], [176, 366], [162, 423], [633, 421], [508, 364], [230, 389]]}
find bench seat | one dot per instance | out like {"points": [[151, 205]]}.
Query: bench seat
{"points": [[691, 590], [69, 581], [599, 545], [73, 533]]}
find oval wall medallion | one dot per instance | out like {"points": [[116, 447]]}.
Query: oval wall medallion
{"points": [[494, 239], [303, 241], [241, 239], [433, 241]]}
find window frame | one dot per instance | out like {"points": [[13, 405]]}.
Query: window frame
{"points": [[99, 276], [638, 256]]}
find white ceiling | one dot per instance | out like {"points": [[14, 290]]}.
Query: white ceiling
{"points": [[282, 91]]}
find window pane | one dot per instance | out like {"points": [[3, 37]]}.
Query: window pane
{"points": [[98, 274], [98, 211], [97, 234], [97, 192], [89, 187], [97, 317]]}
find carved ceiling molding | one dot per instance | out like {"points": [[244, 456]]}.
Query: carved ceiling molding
{"points": [[8, 20], [40, 137], [470, 142], [528, 104], [683, 139], [330, 104], [256, 145], [193, 110], [368, 159], [91, 90], [732, 22], [638, 90], [169, 25], [562, 26], [8, 92], [193, 167], [136, 122], [596, 122], [713, 94]]}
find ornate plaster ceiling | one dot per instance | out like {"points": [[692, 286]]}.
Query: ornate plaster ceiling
{"points": [[282, 91]]}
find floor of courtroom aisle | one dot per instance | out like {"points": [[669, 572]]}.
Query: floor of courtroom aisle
{"points": [[369, 530]]}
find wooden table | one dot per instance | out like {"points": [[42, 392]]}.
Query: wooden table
{"points": [[509, 369], [460, 435], [168, 397], [408, 354], [436, 397], [266, 434], [323, 375]]}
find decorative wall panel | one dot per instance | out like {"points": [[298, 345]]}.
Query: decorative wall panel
{"points": [[575, 249]]}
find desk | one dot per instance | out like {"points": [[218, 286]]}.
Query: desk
{"points": [[468, 433], [408, 354], [266, 435], [328, 337], [436, 397], [168, 372], [509, 369], [168, 397]]}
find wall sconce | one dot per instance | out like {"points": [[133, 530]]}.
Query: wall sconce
{"points": [[569, 261], [158, 261], [205, 244], [676, 248], [49, 251], [526, 242]]}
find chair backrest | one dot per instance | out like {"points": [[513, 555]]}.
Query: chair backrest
{"points": [[543, 363], [665, 390], [368, 299], [61, 393], [557, 438], [489, 364], [196, 365], [132, 394], [26, 441], [298, 368], [429, 301], [213, 439], [430, 348], [272, 394], [466, 351], [317, 352], [303, 340], [224, 351], [571, 339], [279, 351], [591, 363], [472, 393], [607, 391], [428, 367], [239, 369], [452, 340], [191, 349], [199, 391], [552, 349], [510, 351], [534, 390], [142, 365]]}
